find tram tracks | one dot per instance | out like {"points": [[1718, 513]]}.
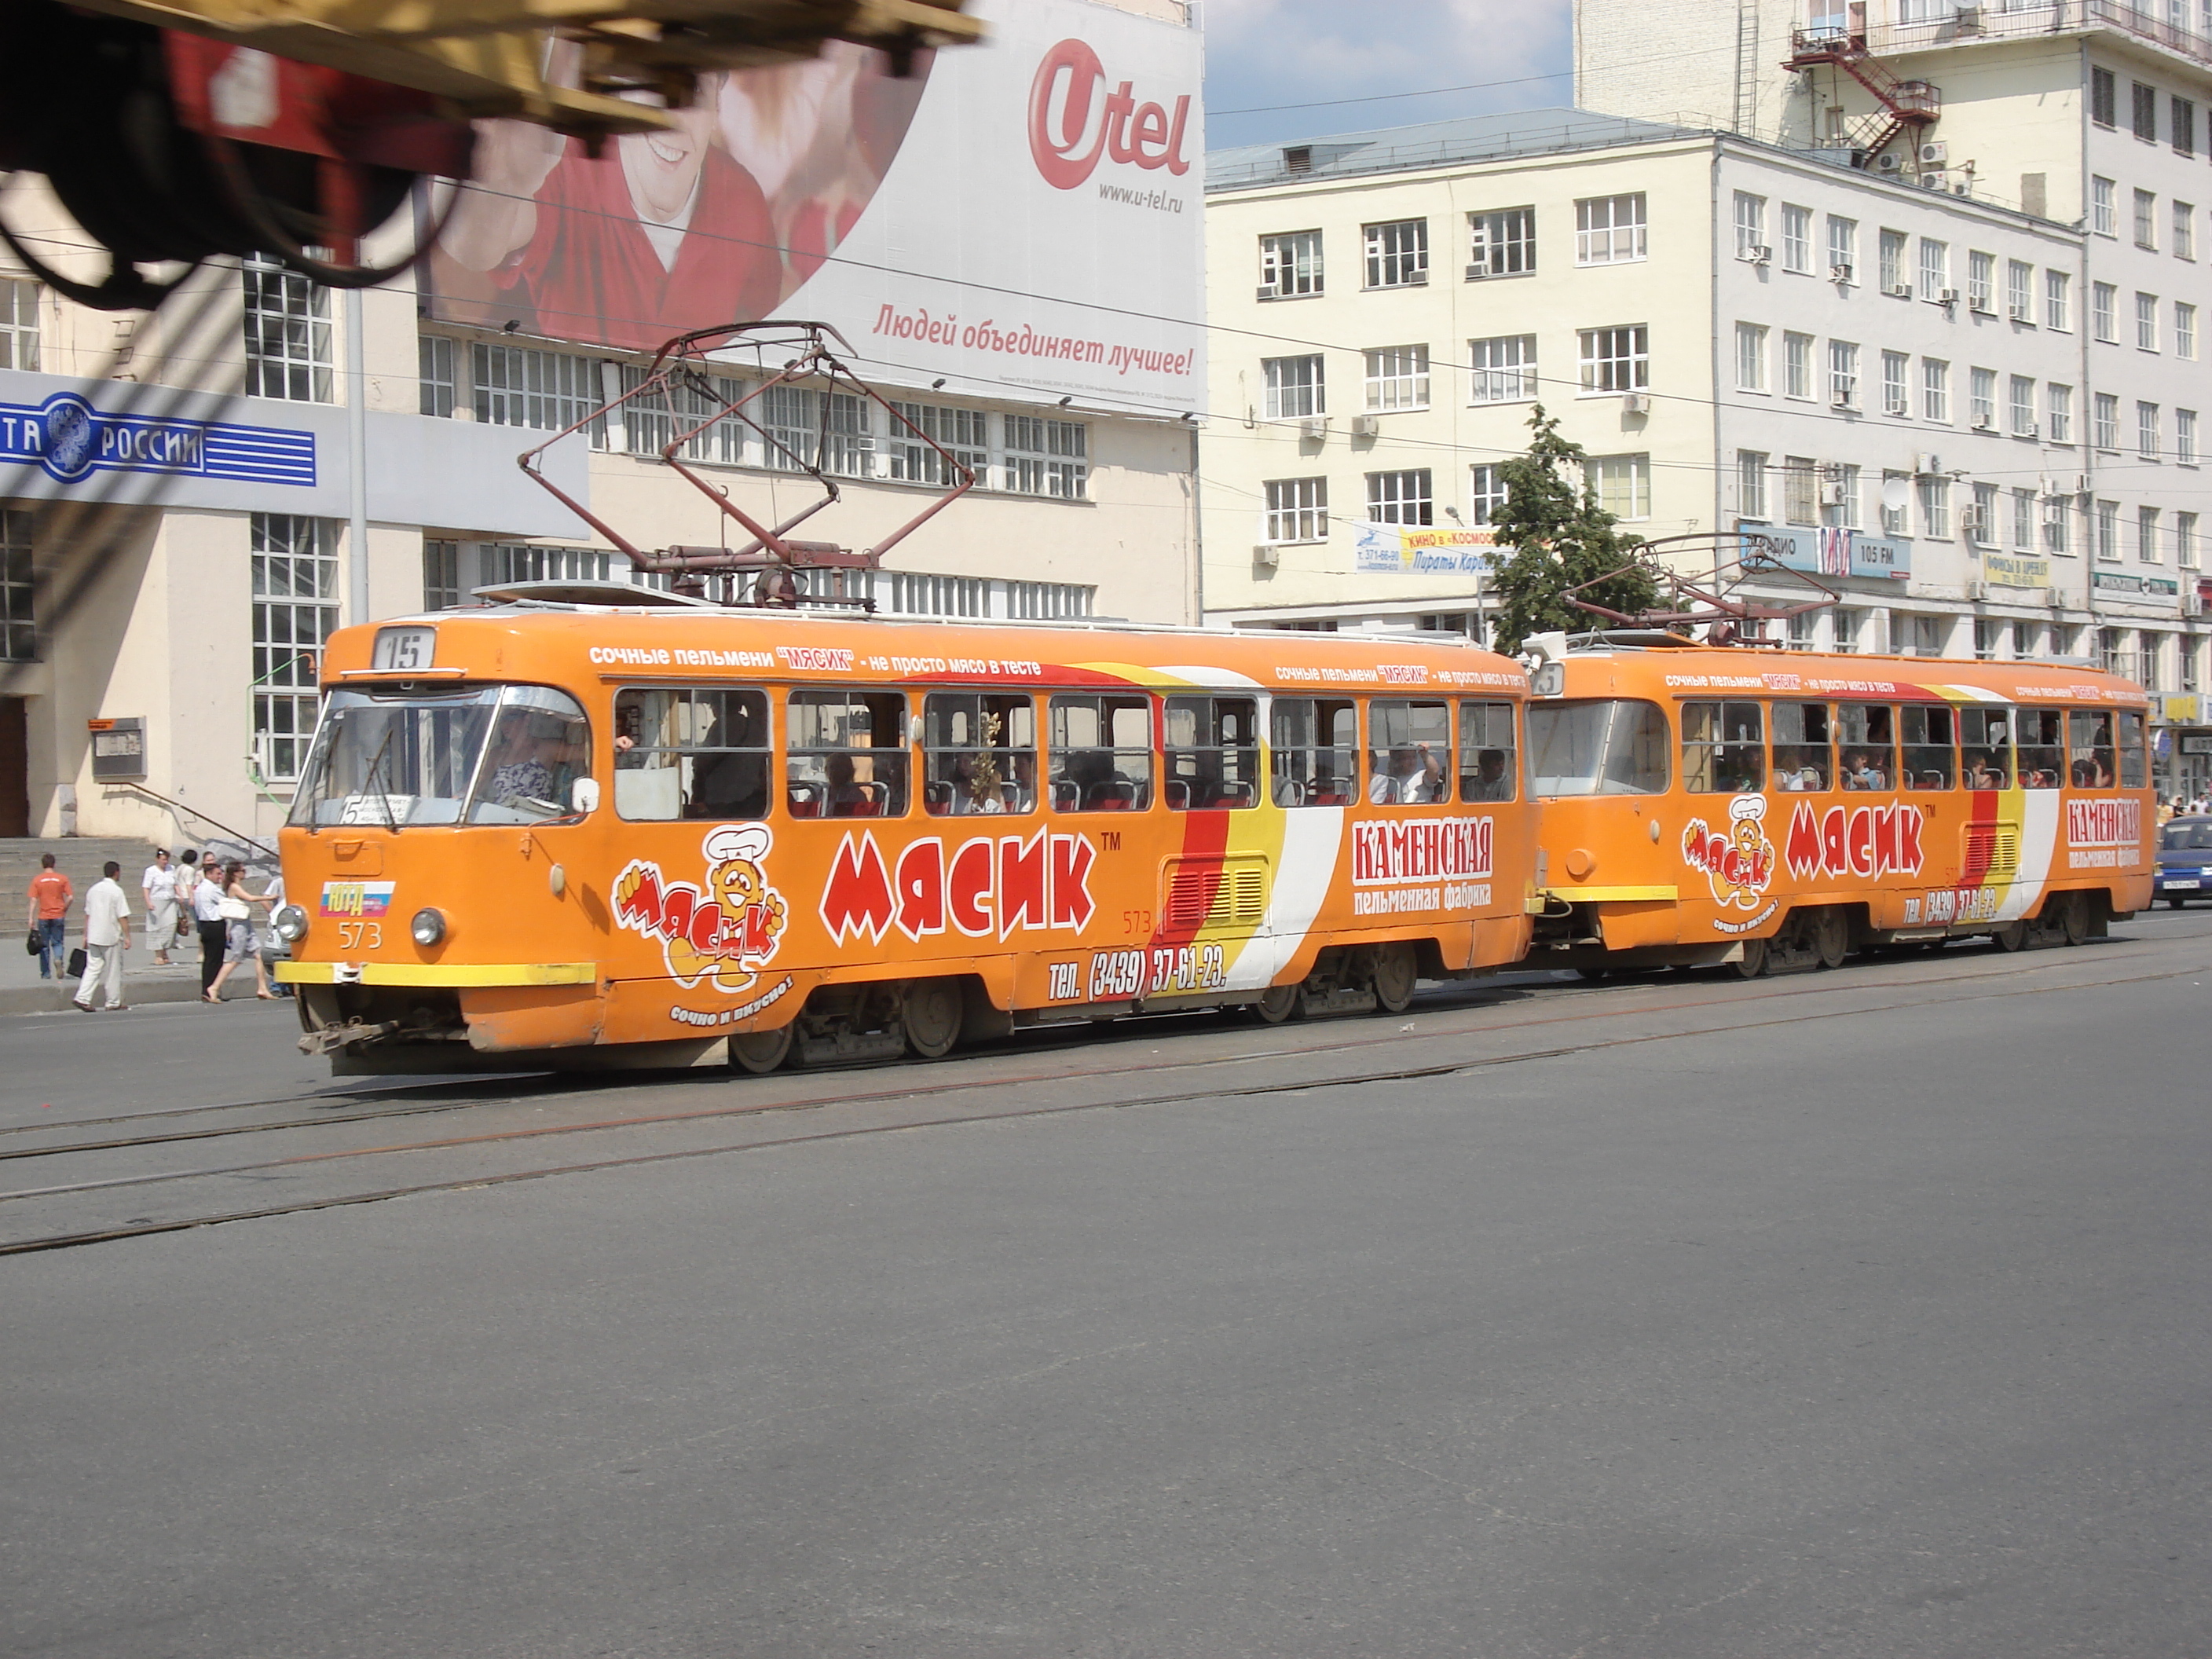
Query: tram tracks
{"points": [[1001, 1088]]}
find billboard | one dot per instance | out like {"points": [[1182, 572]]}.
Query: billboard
{"points": [[1023, 217], [1420, 550]]}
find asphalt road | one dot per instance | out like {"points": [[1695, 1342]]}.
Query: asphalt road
{"points": [[1875, 1326]]}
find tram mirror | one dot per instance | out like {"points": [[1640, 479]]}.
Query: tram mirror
{"points": [[584, 794]]}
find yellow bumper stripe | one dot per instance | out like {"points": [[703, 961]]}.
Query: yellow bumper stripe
{"points": [[452, 975], [1612, 895]]}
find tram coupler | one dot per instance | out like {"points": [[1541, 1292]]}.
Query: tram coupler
{"points": [[332, 1039]]}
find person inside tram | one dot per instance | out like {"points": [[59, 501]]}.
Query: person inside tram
{"points": [[1491, 783], [521, 771], [1980, 774], [975, 783], [1861, 773], [1798, 781], [1413, 777]]}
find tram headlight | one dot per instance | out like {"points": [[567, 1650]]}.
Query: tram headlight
{"points": [[428, 926], [289, 923]]}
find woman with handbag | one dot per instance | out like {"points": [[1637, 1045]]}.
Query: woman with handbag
{"points": [[236, 910]]}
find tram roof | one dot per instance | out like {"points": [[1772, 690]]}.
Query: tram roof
{"points": [[1687, 669]]}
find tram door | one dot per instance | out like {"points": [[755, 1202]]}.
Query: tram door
{"points": [[15, 768]]}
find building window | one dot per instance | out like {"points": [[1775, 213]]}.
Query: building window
{"points": [[1843, 248], [1797, 239], [2057, 517], [1505, 369], [914, 594], [288, 334], [1981, 282], [1935, 390], [516, 386], [1043, 601], [1047, 458], [1398, 253], [2184, 436], [1488, 481], [2146, 220], [1398, 377], [1844, 373], [295, 606], [1798, 365], [2146, 322], [1609, 229], [1894, 400], [2104, 207], [2021, 406], [650, 422], [1297, 509], [1401, 497], [1501, 243], [1842, 512], [1295, 387], [963, 433], [1622, 484], [18, 324], [2184, 114], [2020, 291], [2058, 296], [2185, 230], [2104, 312], [1984, 529], [2146, 535], [2108, 532], [2145, 110], [1616, 359], [441, 574], [1936, 508], [2185, 540], [2104, 100], [1750, 357], [1892, 517], [1800, 489], [2105, 422], [435, 356], [1986, 636], [1934, 269], [2148, 444], [1289, 266], [806, 429], [2060, 401], [1981, 398], [1750, 226], [526, 562], [2023, 520], [1751, 484], [1893, 264], [2184, 330], [19, 633]]}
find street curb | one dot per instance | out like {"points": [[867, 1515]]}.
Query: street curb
{"points": [[56, 998]]}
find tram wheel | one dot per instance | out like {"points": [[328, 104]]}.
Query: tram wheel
{"points": [[1279, 1003], [1832, 936], [762, 1051], [1753, 963], [2074, 919], [2011, 937], [931, 1011], [1396, 972]]}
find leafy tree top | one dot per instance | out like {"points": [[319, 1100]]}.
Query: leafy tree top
{"points": [[1551, 535]]}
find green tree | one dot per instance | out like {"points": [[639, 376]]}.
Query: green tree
{"points": [[1551, 536]]}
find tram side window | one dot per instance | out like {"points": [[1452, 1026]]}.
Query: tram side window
{"points": [[1723, 753], [978, 753], [845, 755], [2042, 734], [1869, 742], [1985, 747], [1486, 771], [1102, 754], [541, 744], [1804, 756], [1930, 759], [691, 752], [1409, 745], [1598, 748], [2135, 765], [1315, 754], [1212, 748], [2090, 757]]}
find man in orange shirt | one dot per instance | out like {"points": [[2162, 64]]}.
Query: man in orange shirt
{"points": [[51, 897]]}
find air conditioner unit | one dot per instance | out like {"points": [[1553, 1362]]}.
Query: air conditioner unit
{"points": [[1896, 406], [1266, 555], [1963, 184], [2081, 485], [2033, 430], [1934, 155], [1636, 403], [1839, 273], [1900, 291], [2018, 313], [1888, 161], [1984, 424], [1416, 278], [1969, 523], [1982, 305], [1949, 297], [1267, 291], [1842, 400], [1477, 272], [1758, 253], [1977, 590], [1970, 22], [1927, 466], [1832, 494], [1363, 426], [1314, 428]]}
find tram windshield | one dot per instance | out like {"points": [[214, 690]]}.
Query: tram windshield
{"points": [[477, 755], [1597, 747]]}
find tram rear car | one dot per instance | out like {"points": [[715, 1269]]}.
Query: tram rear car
{"points": [[1705, 805], [581, 835]]}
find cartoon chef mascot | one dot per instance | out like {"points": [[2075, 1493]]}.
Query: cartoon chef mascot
{"points": [[754, 913]]}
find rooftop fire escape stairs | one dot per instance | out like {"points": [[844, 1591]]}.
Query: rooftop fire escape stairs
{"points": [[1900, 106]]}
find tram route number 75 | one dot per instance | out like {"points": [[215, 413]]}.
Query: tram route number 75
{"points": [[1115, 974]]}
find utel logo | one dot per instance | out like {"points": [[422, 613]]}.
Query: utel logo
{"points": [[2104, 823], [1066, 138], [980, 887], [1855, 841]]}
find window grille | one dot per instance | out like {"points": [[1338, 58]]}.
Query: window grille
{"points": [[1616, 359], [963, 432], [1505, 369], [1297, 509], [1289, 266], [19, 633], [295, 588], [1398, 377], [1401, 497], [1296, 387], [288, 334], [441, 574], [518, 385], [18, 324], [1609, 229], [1398, 253], [1048, 458], [1502, 243]]}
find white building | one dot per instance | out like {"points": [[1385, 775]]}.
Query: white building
{"points": [[178, 492]]}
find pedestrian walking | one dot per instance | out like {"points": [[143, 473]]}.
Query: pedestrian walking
{"points": [[235, 909], [107, 938], [158, 887], [207, 916], [50, 898], [188, 878]]}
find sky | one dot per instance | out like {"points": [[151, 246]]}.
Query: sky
{"points": [[1263, 54]]}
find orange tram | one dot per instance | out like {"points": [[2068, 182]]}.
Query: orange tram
{"points": [[1705, 804], [643, 831]]}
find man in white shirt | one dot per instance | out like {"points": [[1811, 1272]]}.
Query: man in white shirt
{"points": [[159, 884], [106, 937]]}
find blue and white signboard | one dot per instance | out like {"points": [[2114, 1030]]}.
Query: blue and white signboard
{"points": [[1831, 552], [69, 440]]}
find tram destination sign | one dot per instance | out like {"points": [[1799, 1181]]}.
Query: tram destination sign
{"points": [[69, 439]]}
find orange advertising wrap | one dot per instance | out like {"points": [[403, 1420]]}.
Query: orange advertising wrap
{"points": [[601, 836], [1726, 803]]}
